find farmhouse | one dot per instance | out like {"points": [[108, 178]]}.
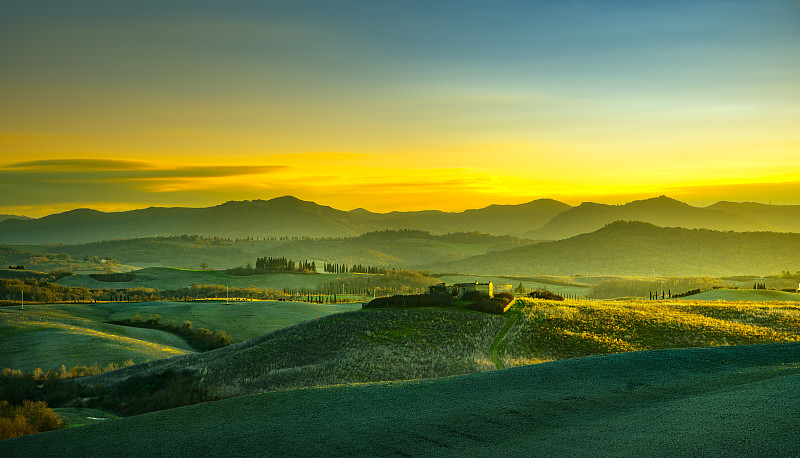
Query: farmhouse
{"points": [[459, 289], [503, 288]]}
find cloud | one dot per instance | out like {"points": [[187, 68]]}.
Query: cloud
{"points": [[105, 170], [80, 164]]}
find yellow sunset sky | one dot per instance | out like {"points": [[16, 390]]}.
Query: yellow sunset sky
{"points": [[397, 105]]}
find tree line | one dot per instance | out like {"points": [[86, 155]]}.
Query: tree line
{"points": [[355, 268]]}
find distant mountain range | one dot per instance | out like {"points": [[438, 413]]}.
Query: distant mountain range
{"points": [[665, 212], [542, 219], [637, 248]]}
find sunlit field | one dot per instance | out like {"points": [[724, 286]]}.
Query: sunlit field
{"points": [[49, 338], [549, 330]]}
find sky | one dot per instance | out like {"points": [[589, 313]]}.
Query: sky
{"points": [[389, 105]]}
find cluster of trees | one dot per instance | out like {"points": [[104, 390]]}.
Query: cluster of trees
{"points": [[27, 418], [51, 387], [201, 339], [44, 291], [270, 264], [545, 294], [137, 395], [691, 292], [19, 267], [393, 281], [355, 268]]}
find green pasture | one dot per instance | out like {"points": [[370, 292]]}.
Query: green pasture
{"points": [[48, 337]]}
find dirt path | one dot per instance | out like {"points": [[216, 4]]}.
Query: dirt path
{"points": [[511, 319]]}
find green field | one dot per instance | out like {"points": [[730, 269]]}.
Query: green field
{"points": [[748, 295], [48, 336], [724, 401]]}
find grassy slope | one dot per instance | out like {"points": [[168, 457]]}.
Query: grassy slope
{"points": [[52, 335], [359, 346], [738, 401], [556, 330], [45, 337], [400, 344]]}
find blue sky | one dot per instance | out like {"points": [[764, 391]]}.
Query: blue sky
{"points": [[619, 98]]}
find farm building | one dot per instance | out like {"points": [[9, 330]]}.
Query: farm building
{"points": [[503, 288], [460, 289]]}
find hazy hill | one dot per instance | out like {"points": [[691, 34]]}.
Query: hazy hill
{"points": [[661, 211], [288, 216], [390, 249], [5, 217], [283, 216], [637, 248], [396, 249], [494, 219], [781, 217]]}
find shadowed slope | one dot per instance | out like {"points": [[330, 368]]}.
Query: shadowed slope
{"points": [[738, 401]]}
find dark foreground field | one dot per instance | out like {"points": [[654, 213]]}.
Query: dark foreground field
{"points": [[733, 401]]}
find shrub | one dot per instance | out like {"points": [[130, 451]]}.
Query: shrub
{"points": [[496, 305], [28, 418], [549, 295], [475, 296], [410, 300]]}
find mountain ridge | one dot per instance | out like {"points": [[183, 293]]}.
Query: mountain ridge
{"points": [[541, 219]]}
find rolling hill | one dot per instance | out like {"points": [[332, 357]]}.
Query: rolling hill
{"points": [[661, 211], [737, 401], [4, 217], [637, 248], [781, 217]]}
